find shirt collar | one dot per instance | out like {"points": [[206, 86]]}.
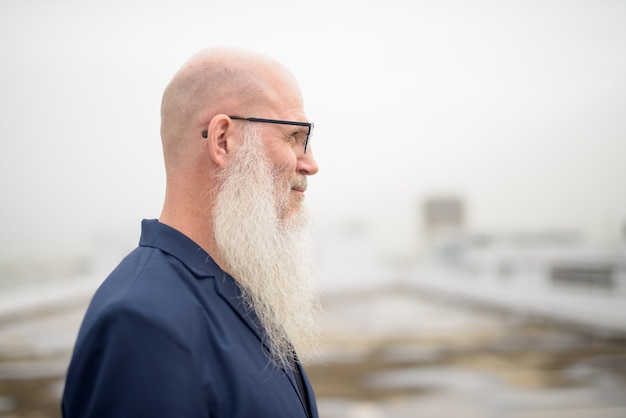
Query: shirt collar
{"points": [[159, 235], [173, 242]]}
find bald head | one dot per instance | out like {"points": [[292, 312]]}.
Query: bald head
{"points": [[217, 81]]}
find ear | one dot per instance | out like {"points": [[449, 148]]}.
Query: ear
{"points": [[221, 136]]}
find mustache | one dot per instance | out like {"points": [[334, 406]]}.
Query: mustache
{"points": [[300, 183]]}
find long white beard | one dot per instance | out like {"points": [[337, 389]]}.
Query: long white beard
{"points": [[270, 257]]}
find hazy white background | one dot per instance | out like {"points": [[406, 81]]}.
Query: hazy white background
{"points": [[518, 106]]}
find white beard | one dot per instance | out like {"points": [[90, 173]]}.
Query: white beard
{"points": [[266, 246]]}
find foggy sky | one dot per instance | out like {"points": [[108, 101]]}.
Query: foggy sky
{"points": [[517, 106]]}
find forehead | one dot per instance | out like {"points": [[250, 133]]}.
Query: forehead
{"points": [[283, 96]]}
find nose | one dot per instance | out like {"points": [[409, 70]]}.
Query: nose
{"points": [[306, 163]]}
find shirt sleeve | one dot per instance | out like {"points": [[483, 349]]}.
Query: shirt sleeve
{"points": [[131, 363]]}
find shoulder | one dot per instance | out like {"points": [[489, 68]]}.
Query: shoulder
{"points": [[151, 279], [149, 287]]}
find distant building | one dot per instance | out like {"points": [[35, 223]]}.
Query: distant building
{"points": [[443, 215], [444, 225]]}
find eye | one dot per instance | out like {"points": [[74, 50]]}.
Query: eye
{"points": [[298, 137]]}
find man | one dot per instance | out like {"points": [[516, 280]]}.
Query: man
{"points": [[205, 317]]}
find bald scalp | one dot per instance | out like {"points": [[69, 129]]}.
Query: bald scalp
{"points": [[214, 81]]}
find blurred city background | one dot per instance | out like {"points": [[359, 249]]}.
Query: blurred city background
{"points": [[470, 213]]}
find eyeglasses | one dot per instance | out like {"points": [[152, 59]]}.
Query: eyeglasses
{"points": [[309, 125]]}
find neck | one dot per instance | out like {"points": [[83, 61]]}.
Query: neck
{"points": [[187, 213]]}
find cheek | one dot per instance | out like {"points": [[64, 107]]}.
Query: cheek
{"points": [[286, 168], [283, 177]]}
